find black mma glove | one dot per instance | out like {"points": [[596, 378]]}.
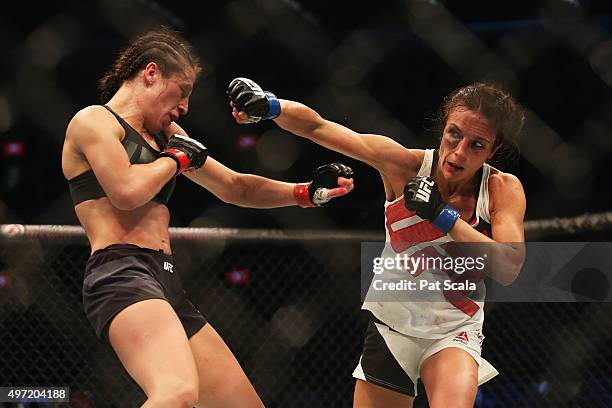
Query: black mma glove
{"points": [[248, 97], [421, 194], [315, 193], [188, 153]]}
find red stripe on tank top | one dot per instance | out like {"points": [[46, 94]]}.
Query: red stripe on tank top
{"points": [[404, 238]]}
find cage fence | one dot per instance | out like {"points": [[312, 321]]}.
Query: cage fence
{"points": [[288, 305]]}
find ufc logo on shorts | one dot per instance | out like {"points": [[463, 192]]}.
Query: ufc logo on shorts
{"points": [[424, 191], [168, 267]]}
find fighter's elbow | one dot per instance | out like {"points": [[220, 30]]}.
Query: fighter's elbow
{"points": [[240, 198], [236, 194], [515, 258], [507, 279], [125, 199], [510, 274], [229, 197]]}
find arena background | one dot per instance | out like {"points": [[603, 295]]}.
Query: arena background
{"points": [[288, 305]]}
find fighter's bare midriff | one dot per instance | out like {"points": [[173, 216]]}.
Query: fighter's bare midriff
{"points": [[104, 224]]}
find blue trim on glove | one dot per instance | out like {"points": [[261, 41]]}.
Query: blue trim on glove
{"points": [[274, 110], [446, 219]]}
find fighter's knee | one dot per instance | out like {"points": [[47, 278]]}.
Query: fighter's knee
{"points": [[175, 393], [452, 398], [220, 388], [187, 397]]}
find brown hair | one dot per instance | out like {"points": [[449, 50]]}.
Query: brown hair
{"points": [[166, 47], [500, 109]]}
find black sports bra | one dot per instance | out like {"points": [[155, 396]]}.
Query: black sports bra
{"points": [[85, 186]]}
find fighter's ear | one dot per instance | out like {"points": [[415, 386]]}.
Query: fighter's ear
{"points": [[150, 73]]}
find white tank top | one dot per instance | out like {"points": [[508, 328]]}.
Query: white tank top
{"points": [[441, 312]]}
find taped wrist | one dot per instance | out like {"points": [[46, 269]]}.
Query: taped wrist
{"points": [[274, 108], [301, 194], [181, 158], [446, 219]]}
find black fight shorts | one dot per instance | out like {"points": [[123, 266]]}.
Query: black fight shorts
{"points": [[123, 274]]}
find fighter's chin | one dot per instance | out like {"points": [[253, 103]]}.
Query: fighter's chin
{"points": [[453, 175], [166, 121], [157, 127]]}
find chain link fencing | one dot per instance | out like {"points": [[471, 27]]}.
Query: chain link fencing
{"points": [[288, 305]]}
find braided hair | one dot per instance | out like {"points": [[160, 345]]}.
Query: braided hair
{"points": [[166, 47]]}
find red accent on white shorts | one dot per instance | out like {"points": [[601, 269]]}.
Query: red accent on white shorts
{"points": [[480, 339], [462, 337], [302, 195]]}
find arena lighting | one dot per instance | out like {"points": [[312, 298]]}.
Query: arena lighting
{"points": [[5, 281], [16, 149], [573, 3], [238, 276], [246, 142]]}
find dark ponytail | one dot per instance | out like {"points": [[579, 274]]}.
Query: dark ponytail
{"points": [[507, 156], [109, 84]]}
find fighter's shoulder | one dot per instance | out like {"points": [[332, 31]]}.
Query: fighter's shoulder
{"points": [[501, 180], [416, 155], [91, 115], [413, 159], [505, 188], [92, 121], [404, 167]]}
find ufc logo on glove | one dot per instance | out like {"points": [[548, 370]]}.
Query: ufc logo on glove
{"points": [[424, 191]]}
